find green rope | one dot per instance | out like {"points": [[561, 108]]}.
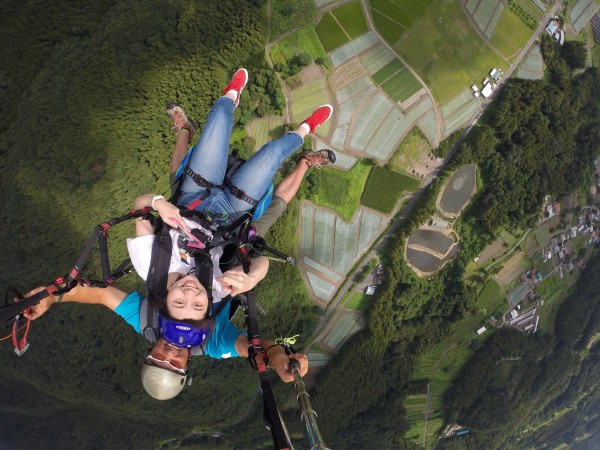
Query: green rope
{"points": [[287, 341]]}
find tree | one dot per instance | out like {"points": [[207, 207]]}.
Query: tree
{"points": [[575, 54]]}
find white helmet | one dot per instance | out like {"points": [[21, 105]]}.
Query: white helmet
{"points": [[162, 384]]}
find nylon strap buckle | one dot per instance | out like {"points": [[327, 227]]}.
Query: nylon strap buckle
{"points": [[198, 179], [238, 193]]}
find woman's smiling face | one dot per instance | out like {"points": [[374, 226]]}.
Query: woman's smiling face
{"points": [[187, 299]]}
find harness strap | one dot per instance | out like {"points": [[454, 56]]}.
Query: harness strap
{"points": [[204, 273], [237, 192], [199, 179]]}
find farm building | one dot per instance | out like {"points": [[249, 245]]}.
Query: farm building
{"points": [[496, 74], [596, 28], [551, 27], [487, 90]]}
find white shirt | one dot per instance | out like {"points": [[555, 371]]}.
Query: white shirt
{"points": [[140, 253]]}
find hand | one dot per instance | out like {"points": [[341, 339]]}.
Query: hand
{"points": [[36, 311], [170, 215], [281, 363], [235, 281]]}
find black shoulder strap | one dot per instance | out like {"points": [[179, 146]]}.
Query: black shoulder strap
{"points": [[204, 273], [149, 321], [156, 282]]}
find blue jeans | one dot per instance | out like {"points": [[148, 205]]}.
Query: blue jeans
{"points": [[210, 156]]}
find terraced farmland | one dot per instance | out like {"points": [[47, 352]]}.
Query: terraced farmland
{"points": [[330, 246], [352, 49], [307, 98], [266, 129]]}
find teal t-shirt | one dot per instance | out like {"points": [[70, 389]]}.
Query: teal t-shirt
{"points": [[221, 343]]}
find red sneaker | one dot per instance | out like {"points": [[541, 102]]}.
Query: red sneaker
{"points": [[319, 117], [237, 83]]}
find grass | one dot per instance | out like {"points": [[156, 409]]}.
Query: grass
{"points": [[359, 301], [304, 40], [511, 34], [596, 55], [384, 187], [446, 51], [339, 190], [330, 33], [491, 296], [351, 17], [412, 147], [508, 238]]}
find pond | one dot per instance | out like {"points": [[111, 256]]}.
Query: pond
{"points": [[458, 190], [436, 241], [423, 261], [426, 262]]}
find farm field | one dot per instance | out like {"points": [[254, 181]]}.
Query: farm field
{"points": [[511, 35], [384, 187], [402, 85], [459, 110], [341, 191], [486, 14], [439, 365], [429, 42], [331, 246], [353, 48], [532, 68], [491, 296], [412, 148], [392, 18], [266, 129], [493, 250], [351, 18], [512, 269], [330, 32], [307, 98], [305, 39], [348, 324]]}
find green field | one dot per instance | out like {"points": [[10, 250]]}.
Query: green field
{"points": [[384, 187], [390, 30], [511, 34], [358, 301], [339, 190], [446, 51], [330, 33], [304, 40], [410, 150], [265, 129], [439, 365], [596, 55], [390, 69], [491, 296], [396, 13], [351, 18]]}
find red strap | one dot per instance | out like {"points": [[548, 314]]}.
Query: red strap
{"points": [[21, 343], [192, 206]]}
